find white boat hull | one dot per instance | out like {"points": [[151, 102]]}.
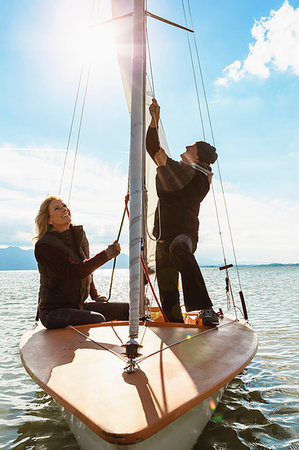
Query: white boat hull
{"points": [[164, 404], [181, 434]]}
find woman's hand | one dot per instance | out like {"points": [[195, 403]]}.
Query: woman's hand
{"points": [[100, 298], [113, 250]]}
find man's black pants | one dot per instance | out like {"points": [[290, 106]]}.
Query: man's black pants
{"points": [[174, 257]]}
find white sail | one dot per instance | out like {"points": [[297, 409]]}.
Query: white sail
{"points": [[124, 40]]}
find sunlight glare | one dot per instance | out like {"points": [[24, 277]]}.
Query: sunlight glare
{"points": [[79, 41]]}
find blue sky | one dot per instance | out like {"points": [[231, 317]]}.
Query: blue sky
{"points": [[249, 57]]}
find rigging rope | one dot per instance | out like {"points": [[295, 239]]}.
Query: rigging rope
{"points": [[203, 130], [117, 239], [194, 76], [92, 14], [201, 77], [152, 86], [150, 62], [78, 136], [229, 290], [143, 358], [148, 278], [187, 338], [71, 129], [217, 162], [123, 358]]}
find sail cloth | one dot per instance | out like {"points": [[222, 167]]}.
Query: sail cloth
{"points": [[123, 30]]}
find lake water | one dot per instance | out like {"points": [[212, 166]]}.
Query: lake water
{"points": [[258, 410]]}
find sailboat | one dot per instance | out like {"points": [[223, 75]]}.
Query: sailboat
{"points": [[146, 383]]}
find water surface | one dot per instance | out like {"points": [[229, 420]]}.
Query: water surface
{"points": [[258, 410]]}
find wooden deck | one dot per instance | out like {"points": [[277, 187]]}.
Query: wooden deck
{"points": [[90, 382]]}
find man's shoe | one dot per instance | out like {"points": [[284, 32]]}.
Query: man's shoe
{"points": [[208, 317]]}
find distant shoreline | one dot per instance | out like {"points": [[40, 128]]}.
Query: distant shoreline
{"points": [[257, 265], [202, 267], [15, 258]]}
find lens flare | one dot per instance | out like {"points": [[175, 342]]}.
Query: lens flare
{"points": [[212, 405], [217, 418]]}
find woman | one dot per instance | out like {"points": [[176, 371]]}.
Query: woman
{"points": [[62, 254]]}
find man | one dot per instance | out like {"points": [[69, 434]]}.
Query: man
{"points": [[181, 187]]}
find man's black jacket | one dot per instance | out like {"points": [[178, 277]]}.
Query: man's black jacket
{"points": [[180, 189]]}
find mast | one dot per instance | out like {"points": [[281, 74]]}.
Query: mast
{"points": [[136, 164]]}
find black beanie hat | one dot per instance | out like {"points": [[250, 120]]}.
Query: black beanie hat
{"points": [[206, 152]]}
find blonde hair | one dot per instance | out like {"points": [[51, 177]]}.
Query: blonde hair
{"points": [[41, 220]]}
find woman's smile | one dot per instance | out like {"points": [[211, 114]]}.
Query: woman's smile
{"points": [[59, 216]]}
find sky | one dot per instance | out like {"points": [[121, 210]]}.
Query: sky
{"points": [[249, 59]]}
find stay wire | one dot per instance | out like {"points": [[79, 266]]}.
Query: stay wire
{"points": [[123, 358], [217, 162], [186, 339], [74, 113], [198, 100], [201, 76], [194, 75], [71, 129], [78, 136], [167, 347]]}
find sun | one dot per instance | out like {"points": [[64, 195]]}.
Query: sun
{"points": [[80, 38]]}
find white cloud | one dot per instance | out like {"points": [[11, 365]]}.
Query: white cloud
{"points": [[276, 47], [28, 175], [294, 155], [264, 230]]}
